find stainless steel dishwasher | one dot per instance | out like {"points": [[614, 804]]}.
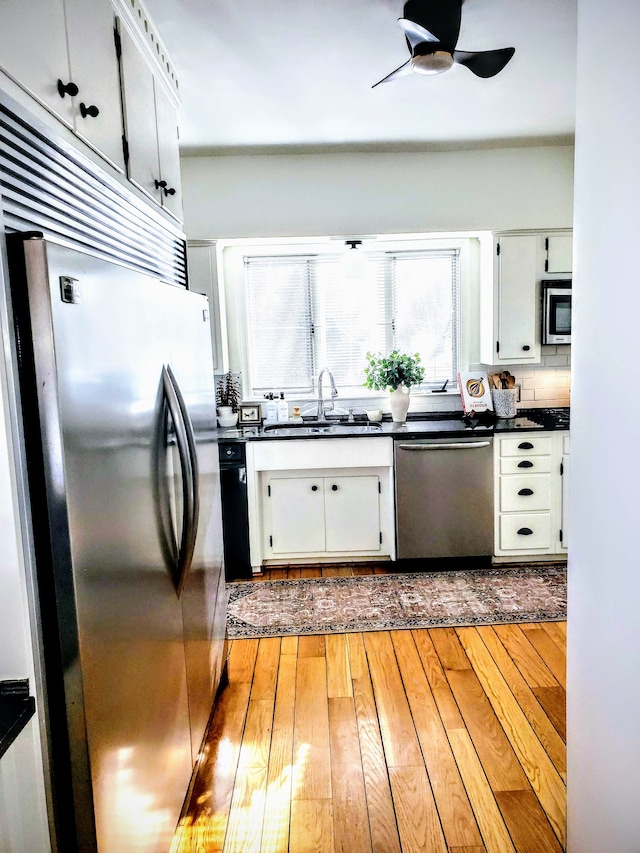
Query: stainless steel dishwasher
{"points": [[444, 497]]}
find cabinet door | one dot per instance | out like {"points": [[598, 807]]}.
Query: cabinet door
{"points": [[94, 69], [33, 51], [559, 249], [518, 307], [143, 166], [297, 515], [352, 513], [169, 154]]}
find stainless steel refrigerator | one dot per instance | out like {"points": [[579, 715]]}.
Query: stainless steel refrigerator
{"points": [[118, 409]]}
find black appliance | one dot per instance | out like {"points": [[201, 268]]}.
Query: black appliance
{"points": [[556, 311], [235, 511]]}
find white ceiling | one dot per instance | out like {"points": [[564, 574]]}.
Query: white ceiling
{"points": [[297, 74]]}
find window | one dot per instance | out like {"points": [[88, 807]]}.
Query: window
{"points": [[303, 314]]}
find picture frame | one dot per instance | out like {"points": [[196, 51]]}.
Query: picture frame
{"points": [[250, 413]]}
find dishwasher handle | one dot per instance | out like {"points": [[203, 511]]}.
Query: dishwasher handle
{"points": [[460, 445]]}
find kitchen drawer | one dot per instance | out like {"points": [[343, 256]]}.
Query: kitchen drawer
{"points": [[526, 465], [538, 445], [538, 539], [527, 493]]}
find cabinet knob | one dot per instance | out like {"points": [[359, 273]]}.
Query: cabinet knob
{"points": [[525, 531], [334, 488], [67, 89], [525, 492], [525, 445], [314, 488], [526, 347], [525, 464], [162, 185], [91, 110]]}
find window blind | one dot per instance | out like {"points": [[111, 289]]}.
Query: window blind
{"points": [[304, 314], [425, 287], [280, 327]]}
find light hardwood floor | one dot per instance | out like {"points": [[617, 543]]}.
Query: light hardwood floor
{"points": [[426, 741]]}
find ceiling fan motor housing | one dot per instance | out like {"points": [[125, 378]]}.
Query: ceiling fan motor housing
{"points": [[432, 63]]}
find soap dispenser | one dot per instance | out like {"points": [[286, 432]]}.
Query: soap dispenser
{"points": [[283, 408], [270, 409]]}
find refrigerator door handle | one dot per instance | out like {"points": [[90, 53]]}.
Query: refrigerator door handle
{"points": [[188, 462]]}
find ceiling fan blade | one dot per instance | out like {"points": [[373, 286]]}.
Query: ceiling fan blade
{"points": [[441, 18], [415, 33], [399, 72], [486, 63]]}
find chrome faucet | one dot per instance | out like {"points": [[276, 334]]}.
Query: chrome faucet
{"points": [[334, 393]]}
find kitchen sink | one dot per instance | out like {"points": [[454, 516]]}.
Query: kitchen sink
{"points": [[310, 428]]}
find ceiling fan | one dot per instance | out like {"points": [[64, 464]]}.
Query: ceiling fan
{"points": [[431, 28]]}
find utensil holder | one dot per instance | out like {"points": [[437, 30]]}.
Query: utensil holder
{"points": [[504, 402]]}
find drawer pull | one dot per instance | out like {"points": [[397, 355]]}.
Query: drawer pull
{"points": [[525, 492], [334, 488], [525, 531], [526, 347], [525, 445], [314, 488], [525, 464]]}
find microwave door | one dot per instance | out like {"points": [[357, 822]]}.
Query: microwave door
{"points": [[560, 315]]}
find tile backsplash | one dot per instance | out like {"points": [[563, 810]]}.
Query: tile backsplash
{"points": [[547, 384], [544, 385]]}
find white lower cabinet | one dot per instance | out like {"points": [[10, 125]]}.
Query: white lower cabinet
{"points": [[321, 499], [339, 514], [566, 488], [529, 494], [295, 512]]}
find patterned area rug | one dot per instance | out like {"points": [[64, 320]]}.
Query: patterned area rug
{"points": [[532, 593]]}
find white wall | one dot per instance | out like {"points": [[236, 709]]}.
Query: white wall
{"points": [[604, 563], [377, 193]]}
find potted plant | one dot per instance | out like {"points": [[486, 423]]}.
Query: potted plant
{"points": [[228, 399], [395, 372]]}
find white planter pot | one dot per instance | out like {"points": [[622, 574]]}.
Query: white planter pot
{"points": [[399, 400], [227, 417]]}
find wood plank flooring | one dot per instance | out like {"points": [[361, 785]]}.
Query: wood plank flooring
{"points": [[428, 741]]}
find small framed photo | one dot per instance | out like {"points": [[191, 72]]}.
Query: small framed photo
{"points": [[250, 413]]}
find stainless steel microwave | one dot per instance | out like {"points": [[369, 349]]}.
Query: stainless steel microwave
{"points": [[556, 311]]}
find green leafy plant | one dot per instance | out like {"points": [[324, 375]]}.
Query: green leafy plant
{"points": [[392, 371], [228, 390]]}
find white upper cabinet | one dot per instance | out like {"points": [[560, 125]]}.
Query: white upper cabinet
{"points": [[151, 130], [97, 111], [65, 55], [168, 152], [33, 50], [511, 336], [66, 59], [559, 254], [511, 306]]}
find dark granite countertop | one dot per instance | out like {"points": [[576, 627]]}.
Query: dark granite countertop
{"points": [[418, 425]]}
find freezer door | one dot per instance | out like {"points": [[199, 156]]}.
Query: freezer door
{"points": [[203, 595], [101, 338]]}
